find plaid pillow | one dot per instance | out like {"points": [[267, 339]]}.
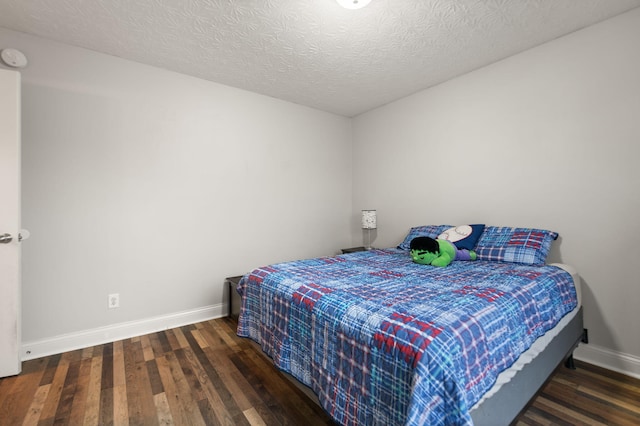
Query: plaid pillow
{"points": [[422, 231], [517, 245]]}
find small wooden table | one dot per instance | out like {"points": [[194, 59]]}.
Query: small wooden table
{"points": [[352, 250], [234, 297]]}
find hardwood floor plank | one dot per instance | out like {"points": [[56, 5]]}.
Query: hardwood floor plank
{"points": [[592, 407], [226, 332], [6, 387], [120, 404], [205, 374], [173, 341], [34, 365], [156, 345], [147, 348], [190, 368], [182, 341], [35, 409], [106, 381], [164, 341], [134, 380], [535, 417], [55, 392], [119, 377], [242, 392], [219, 396], [250, 394], [106, 386], [140, 403], [187, 395], [174, 398], [92, 405], [265, 380], [225, 369], [573, 417], [162, 409], [202, 342], [615, 400], [214, 400], [207, 412], [14, 395], [106, 407], [617, 380], [76, 416], [50, 369], [87, 353], [68, 391], [154, 377], [253, 417]]}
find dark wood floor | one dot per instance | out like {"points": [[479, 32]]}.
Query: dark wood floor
{"points": [[203, 374]]}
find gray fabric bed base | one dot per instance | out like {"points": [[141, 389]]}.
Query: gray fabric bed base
{"points": [[512, 398]]}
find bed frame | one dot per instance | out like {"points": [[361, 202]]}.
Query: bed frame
{"points": [[513, 397]]}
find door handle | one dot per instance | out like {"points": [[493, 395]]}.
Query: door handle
{"points": [[5, 238]]}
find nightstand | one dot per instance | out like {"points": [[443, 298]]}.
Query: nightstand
{"points": [[353, 250], [234, 297]]}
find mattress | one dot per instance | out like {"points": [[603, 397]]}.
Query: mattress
{"points": [[420, 364]]}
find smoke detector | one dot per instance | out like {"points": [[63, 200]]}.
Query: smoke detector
{"points": [[13, 58]]}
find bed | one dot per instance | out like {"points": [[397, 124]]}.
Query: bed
{"points": [[379, 339]]}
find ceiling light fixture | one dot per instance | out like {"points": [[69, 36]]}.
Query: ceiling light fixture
{"points": [[353, 4]]}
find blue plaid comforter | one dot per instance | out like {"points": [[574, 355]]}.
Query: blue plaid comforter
{"points": [[382, 340]]}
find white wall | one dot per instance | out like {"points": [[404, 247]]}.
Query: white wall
{"points": [[548, 138], [157, 186], [151, 184]]}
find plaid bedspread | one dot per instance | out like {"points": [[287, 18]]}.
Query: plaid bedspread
{"points": [[382, 340]]}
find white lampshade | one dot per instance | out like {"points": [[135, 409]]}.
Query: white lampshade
{"points": [[369, 220], [353, 4]]}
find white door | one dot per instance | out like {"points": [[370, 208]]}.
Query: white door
{"points": [[10, 303]]}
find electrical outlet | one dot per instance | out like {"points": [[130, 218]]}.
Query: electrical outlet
{"points": [[114, 300]]}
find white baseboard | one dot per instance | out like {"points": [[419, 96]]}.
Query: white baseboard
{"points": [[115, 332], [609, 359], [593, 354]]}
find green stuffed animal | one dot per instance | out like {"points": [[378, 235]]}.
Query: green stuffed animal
{"points": [[437, 252]]}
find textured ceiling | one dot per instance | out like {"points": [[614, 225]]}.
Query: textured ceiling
{"points": [[311, 52]]}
